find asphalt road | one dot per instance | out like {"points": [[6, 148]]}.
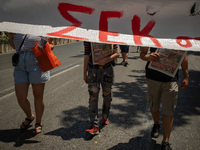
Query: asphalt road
{"points": [[66, 108]]}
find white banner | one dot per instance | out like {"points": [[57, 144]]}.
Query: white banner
{"points": [[172, 24]]}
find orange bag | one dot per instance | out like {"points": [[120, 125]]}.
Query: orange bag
{"points": [[47, 60]]}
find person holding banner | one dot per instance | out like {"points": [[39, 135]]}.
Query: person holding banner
{"points": [[124, 51], [162, 88], [96, 74], [27, 72]]}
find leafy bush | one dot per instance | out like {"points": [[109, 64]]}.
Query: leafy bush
{"points": [[4, 39]]}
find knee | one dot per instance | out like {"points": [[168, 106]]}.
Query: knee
{"points": [[21, 98], [155, 110], [93, 93], [106, 94], [38, 96], [168, 113], [92, 98]]}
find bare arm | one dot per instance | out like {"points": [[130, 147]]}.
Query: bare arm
{"points": [[184, 67], [50, 40], [116, 54], [151, 57], [143, 53], [85, 67]]}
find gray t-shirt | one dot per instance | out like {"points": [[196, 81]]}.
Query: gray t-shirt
{"points": [[29, 42]]}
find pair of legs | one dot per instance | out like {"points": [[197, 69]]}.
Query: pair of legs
{"points": [[124, 51], [138, 49], [38, 92], [28, 72], [167, 124], [124, 56], [93, 105], [167, 94], [93, 110], [96, 78]]}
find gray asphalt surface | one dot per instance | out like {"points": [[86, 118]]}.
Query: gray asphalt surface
{"points": [[66, 109]]}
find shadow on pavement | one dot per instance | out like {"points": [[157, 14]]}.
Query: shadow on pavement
{"points": [[138, 143], [19, 137], [188, 103], [76, 122], [133, 95], [76, 131]]}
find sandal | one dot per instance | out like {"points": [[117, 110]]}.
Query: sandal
{"points": [[38, 128], [24, 126]]}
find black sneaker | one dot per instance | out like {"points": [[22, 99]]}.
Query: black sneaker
{"points": [[122, 63], [125, 63], [155, 131], [165, 146]]}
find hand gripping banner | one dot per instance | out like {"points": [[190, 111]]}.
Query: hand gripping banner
{"points": [[172, 24]]}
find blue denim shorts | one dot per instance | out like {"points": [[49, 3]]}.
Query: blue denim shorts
{"points": [[29, 71], [124, 48]]}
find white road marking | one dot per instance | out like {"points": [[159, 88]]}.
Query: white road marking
{"points": [[59, 73], [64, 71], [8, 89]]}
